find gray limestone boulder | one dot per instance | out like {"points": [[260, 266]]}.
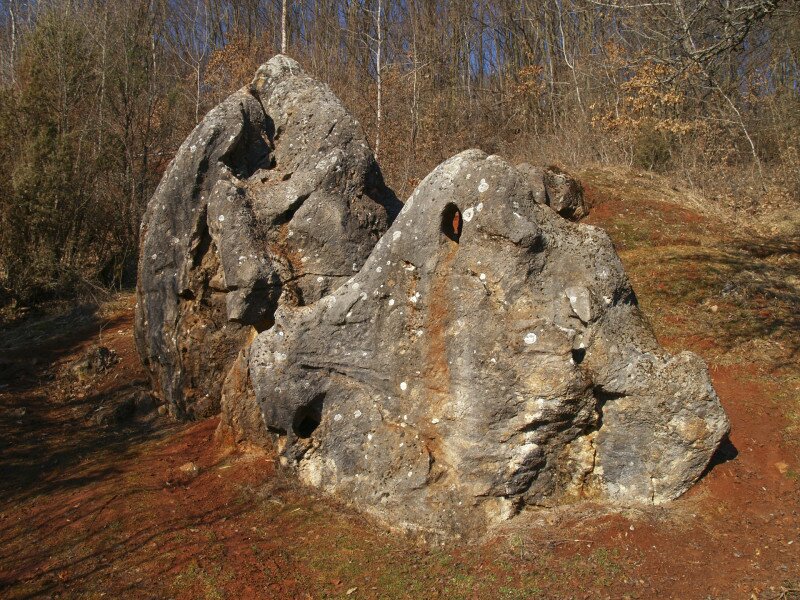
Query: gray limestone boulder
{"points": [[564, 194], [489, 355], [557, 189], [275, 198], [535, 177]]}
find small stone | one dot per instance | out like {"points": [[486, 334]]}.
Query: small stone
{"points": [[190, 469]]}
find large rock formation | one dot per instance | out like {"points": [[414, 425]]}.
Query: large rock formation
{"points": [[274, 198], [489, 355], [485, 355]]}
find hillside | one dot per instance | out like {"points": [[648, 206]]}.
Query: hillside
{"points": [[92, 506]]}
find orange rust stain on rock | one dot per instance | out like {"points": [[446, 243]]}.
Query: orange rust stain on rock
{"points": [[437, 371], [438, 317]]}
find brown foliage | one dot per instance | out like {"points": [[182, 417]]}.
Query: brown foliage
{"points": [[95, 97]]}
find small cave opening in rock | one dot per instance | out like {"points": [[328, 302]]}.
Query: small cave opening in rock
{"points": [[451, 222], [578, 354], [309, 417]]}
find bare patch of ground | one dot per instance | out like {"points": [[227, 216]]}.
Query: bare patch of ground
{"points": [[146, 508]]}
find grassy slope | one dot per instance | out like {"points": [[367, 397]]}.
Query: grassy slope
{"points": [[92, 512]]}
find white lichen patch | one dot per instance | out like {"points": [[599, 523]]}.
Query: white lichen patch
{"points": [[403, 386], [468, 214], [530, 338], [483, 186]]}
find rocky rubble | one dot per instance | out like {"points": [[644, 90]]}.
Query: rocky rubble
{"points": [[484, 354]]}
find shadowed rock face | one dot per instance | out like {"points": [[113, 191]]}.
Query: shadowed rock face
{"points": [[462, 374], [274, 198]]}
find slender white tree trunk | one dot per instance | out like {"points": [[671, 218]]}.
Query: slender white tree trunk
{"points": [[566, 58], [378, 73], [197, 94], [283, 26], [13, 42]]}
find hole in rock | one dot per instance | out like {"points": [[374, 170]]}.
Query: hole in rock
{"points": [[309, 417], [451, 222], [578, 354]]}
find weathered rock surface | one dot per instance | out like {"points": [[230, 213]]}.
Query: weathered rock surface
{"points": [[557, 189], [488, 355], [482, 354], [275, 198]]}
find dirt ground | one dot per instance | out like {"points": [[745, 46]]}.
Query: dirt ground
{"points": [[92, 507]]}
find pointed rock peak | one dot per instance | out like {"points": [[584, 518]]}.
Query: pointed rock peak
{"points": [[274, 69], [274, 198]]}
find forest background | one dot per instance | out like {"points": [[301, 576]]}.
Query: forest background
{"points": [[97, 95]]}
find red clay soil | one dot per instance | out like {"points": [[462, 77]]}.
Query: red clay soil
{"points": [[90, 511]]}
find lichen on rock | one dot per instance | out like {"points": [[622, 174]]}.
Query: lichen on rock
{"points": [[275, 198], [451, 382], [440, 368]]}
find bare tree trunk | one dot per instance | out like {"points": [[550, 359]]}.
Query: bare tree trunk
{"points": [[566, 58], [283, 26], [12, 66], [412, 143], [378, 74], [103, 68]]}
